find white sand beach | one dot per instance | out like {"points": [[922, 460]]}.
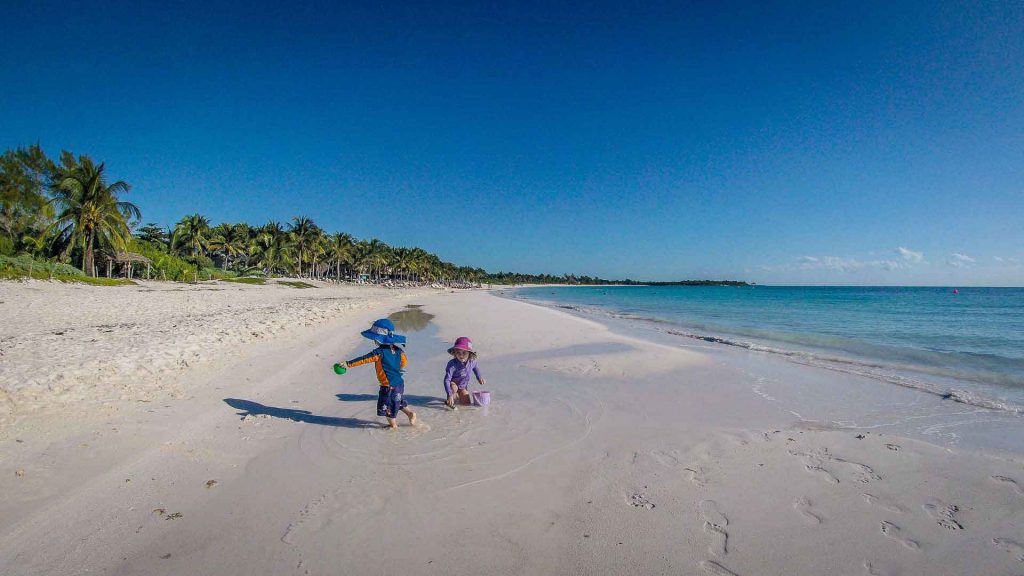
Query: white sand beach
{"points": [[172, 429], [68, 343]]}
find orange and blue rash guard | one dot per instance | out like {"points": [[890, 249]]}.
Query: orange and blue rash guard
{"points": [[390, 363]]}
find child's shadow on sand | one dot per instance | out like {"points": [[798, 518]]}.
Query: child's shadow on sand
{"points": [[421, 401], [248, 407]]}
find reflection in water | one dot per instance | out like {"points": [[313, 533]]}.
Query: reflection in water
{"points": [[411, 319]]}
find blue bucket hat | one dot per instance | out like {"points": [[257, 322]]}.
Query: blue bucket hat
{"points": [[383, 332]]}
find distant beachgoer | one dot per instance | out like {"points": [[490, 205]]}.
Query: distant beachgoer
{"points": [[390, 361], [458, 372]]}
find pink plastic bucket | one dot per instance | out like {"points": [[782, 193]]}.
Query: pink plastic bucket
{"points": [[481, 397]]}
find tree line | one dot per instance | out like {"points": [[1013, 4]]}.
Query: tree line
{"points": [[67, 212]]}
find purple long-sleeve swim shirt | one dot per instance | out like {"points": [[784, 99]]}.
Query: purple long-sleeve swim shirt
{"points": [[458, 373]]}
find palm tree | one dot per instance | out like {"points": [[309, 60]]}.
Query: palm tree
{"points": [[304, 232], [431, 266], [378, 257], [405, 261], [89, 212], [317, 248], [252, 245], [361, 256], [192, 233], [339, 250], [228, 240], [235, 242], [274, 247], [421, 262]]}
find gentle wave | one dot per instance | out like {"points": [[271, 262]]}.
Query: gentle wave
{"points": [[877, 370]]}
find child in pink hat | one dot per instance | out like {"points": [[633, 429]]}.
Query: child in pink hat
{"points": [[456, 373]]}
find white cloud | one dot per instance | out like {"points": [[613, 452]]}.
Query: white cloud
{"points": [[829, 263], [840, 264], [910, 256], [997, 258], [960, 260]]}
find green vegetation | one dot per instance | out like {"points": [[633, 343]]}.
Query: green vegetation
{"points": [[96, 281], [697, 283], [509, 278], [16, 268], [31, 266], [247, 280], [56, 214], [295, 284], [89, 215]]}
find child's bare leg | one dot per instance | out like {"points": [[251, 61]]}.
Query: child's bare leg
{"points": [[411, 415], [393, 424], [464, 397]]}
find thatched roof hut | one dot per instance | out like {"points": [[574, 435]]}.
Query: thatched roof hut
{"points": [[126, 260]]}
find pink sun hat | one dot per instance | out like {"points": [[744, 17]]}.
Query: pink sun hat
{"points": [[463, 343]]}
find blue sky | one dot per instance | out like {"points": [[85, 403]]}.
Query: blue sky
{"points": [[783, 143]]}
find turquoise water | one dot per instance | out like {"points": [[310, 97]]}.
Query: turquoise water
{"points": [[967, 346]]}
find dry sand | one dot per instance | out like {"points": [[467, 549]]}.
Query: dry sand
{"points": [[600, 454], [62, 344]]}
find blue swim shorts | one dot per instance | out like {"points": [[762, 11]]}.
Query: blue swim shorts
{"points": [[390, 401]]}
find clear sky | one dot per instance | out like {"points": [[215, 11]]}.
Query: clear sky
{"points": [[774, 142]]}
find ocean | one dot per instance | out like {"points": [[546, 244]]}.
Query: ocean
{"points": [[967, 346]]}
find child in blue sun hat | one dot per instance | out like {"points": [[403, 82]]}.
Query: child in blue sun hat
{"points": [[390, 362]]}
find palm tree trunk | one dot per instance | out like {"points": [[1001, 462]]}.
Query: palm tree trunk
{"points": [[87, 261]]}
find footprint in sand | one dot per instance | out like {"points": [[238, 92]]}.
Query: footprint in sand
{"points": [[697, 476], [714, 524], [1010, 546], [715, 569], [813, 465], [884, 503], [893, 531], [672, 460], [862, 472], [803, 507], [822, 473], [865, 473], [943, 513], [874, 570], [893, 447], [815, 460], [1009, 482], [308, 510], [667, 458], [638, 500]]}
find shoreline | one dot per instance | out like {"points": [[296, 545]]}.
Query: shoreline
{"points": [[985, 422], [601, 452]]}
